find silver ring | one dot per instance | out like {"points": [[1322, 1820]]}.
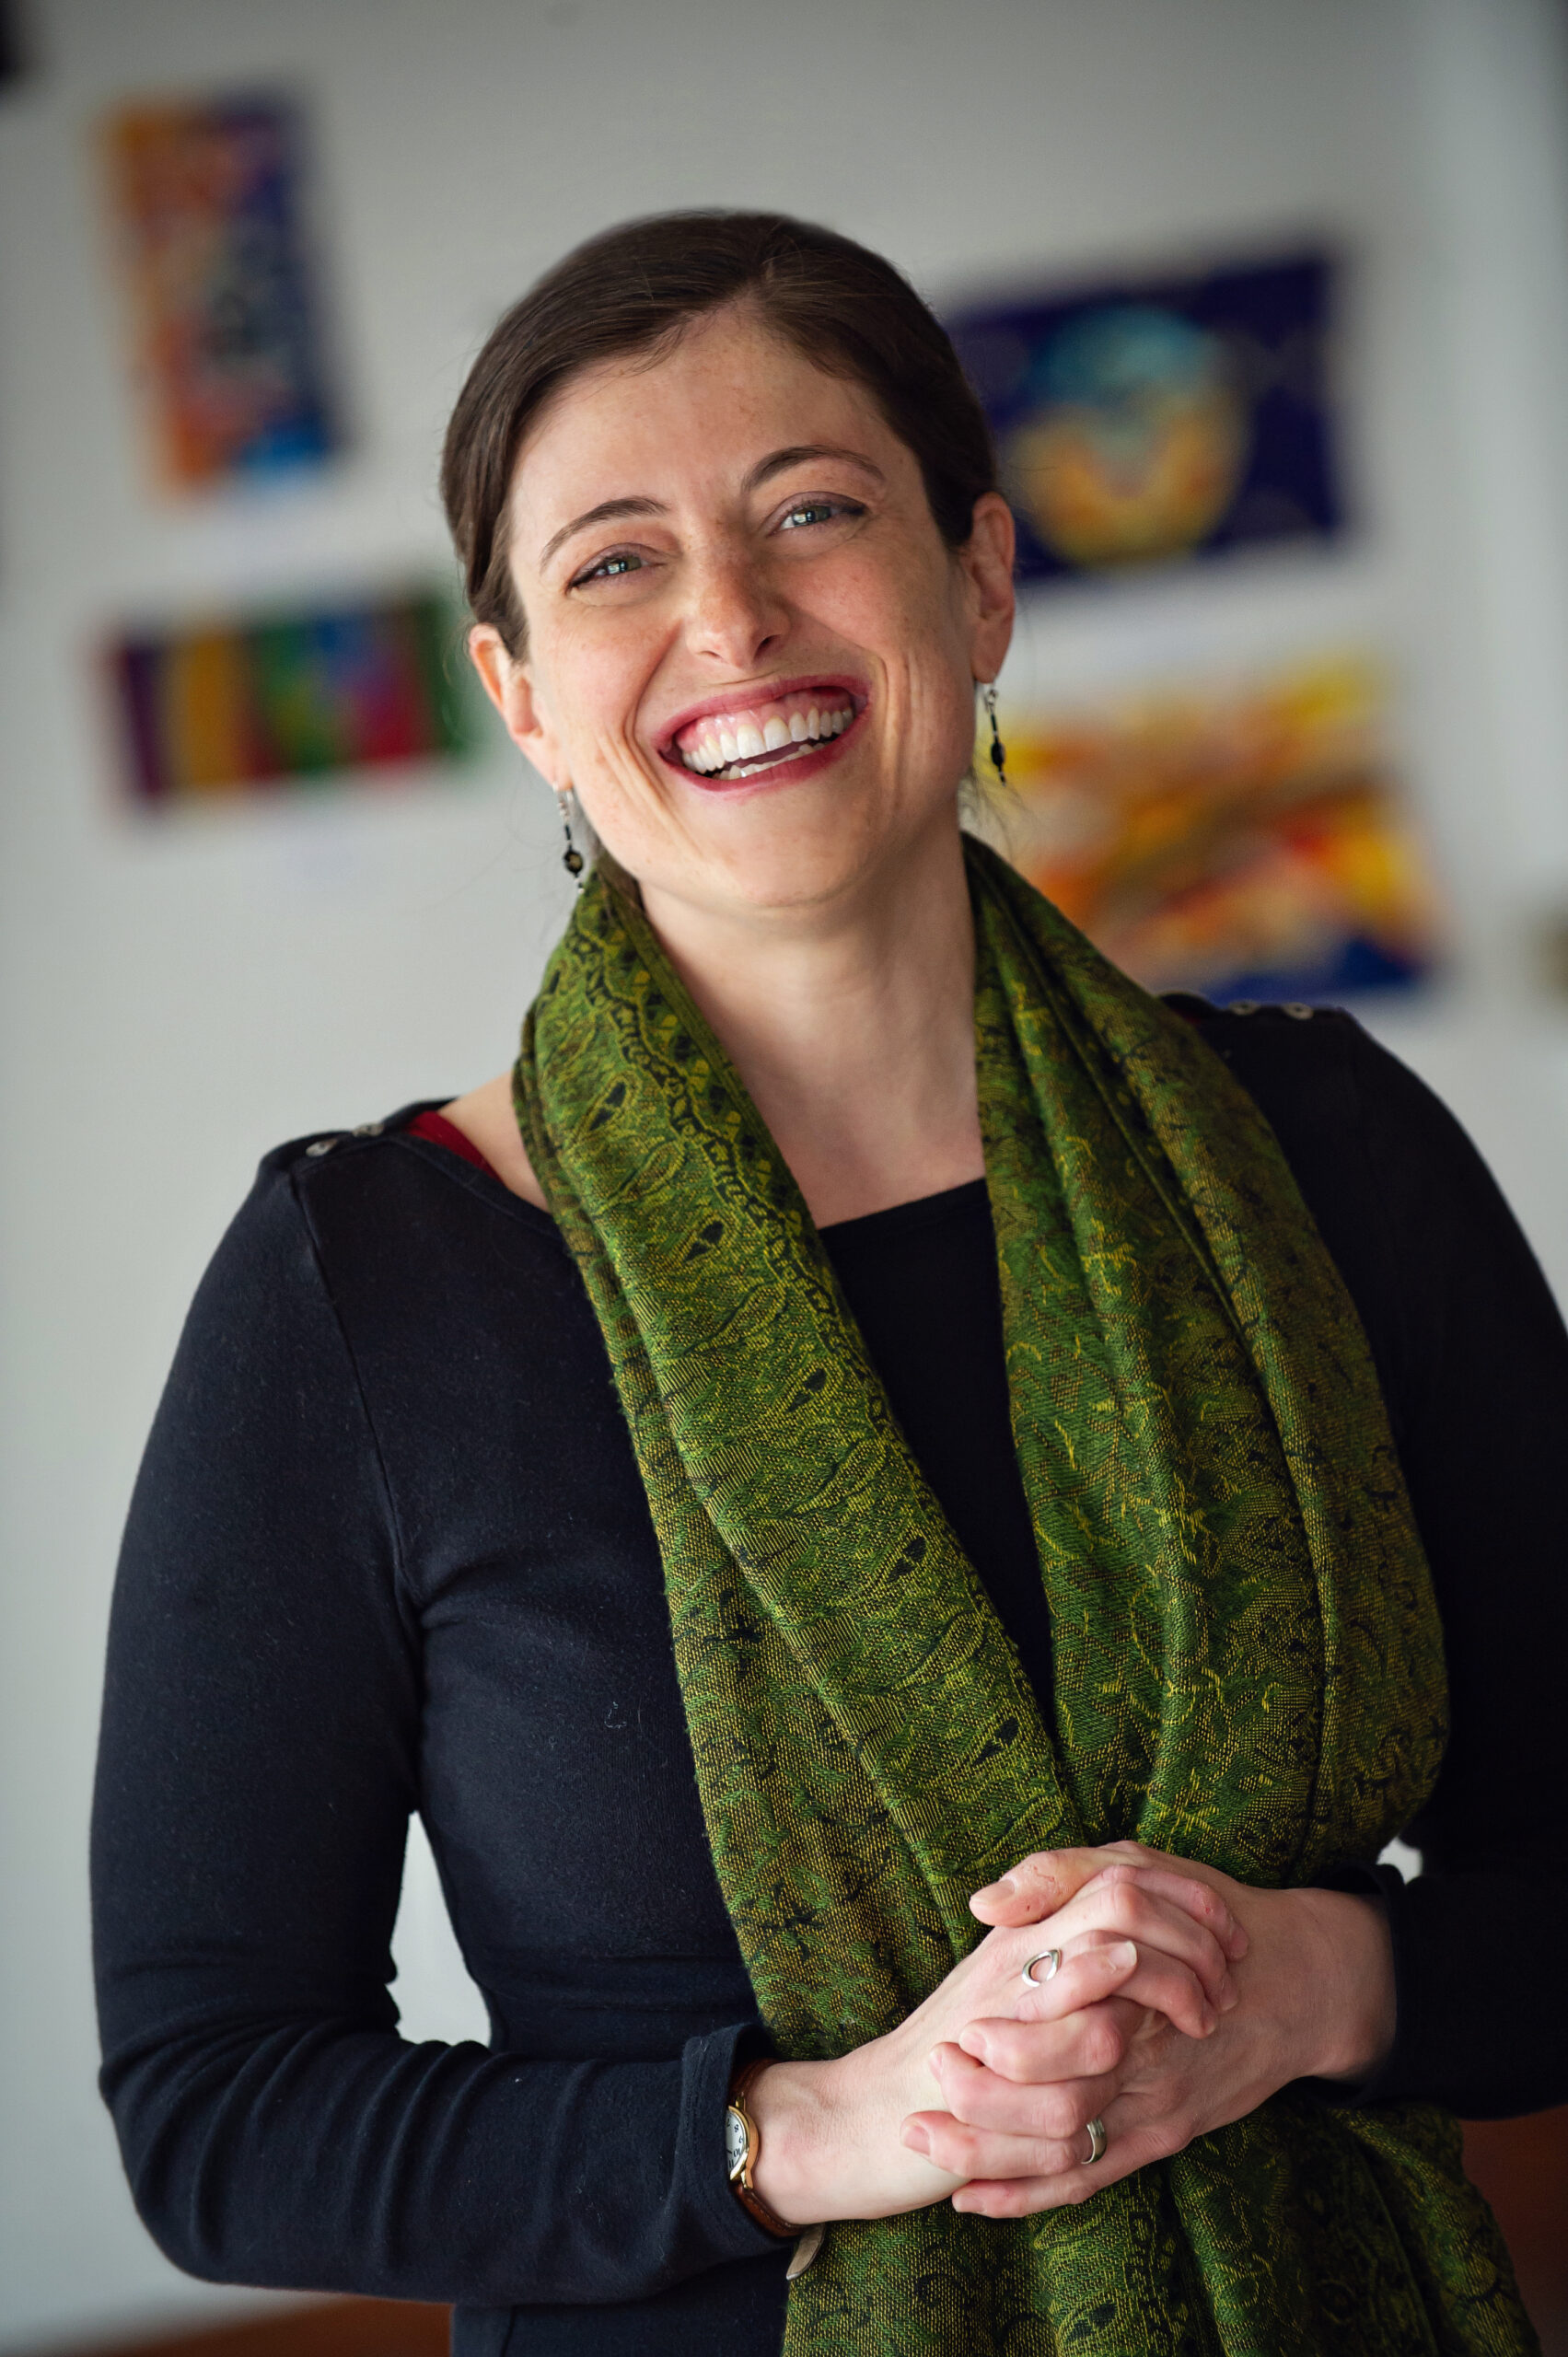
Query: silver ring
{"points": [[1051, 1958], [1098, 2141]]}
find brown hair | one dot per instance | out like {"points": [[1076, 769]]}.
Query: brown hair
{"points": [[635, 285]]}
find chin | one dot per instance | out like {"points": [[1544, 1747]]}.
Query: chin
{"points": [[790, 853]]}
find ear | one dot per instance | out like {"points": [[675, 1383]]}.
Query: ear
{"points": [[987, 561], [509, 685]]}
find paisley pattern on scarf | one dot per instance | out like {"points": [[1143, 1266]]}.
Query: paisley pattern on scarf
{"points": [[1248, 1665]]}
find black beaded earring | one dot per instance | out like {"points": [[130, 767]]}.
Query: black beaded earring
{"points": [[998, 749], [571, 858]]}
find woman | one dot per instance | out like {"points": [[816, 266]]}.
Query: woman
{"points": [[1026, 1427]]}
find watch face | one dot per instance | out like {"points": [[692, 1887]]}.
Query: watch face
{"points": [[736, 2143]]}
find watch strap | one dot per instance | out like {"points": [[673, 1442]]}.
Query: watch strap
{"points": [[745, 2191]]}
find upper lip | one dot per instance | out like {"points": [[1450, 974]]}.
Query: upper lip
{"points": [[746, 699]]}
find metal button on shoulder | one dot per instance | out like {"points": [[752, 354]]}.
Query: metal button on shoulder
{"points": [[1302, 1014], [1242, 1006], [322, 1146], [370, 1129]]}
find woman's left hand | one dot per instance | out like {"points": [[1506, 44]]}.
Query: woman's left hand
{"points": [[1316, 2001]]}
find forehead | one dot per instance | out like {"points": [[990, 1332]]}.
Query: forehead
{"points": [[686, 424]]}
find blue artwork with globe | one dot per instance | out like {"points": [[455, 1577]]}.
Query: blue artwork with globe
{"points": [[1155, 421]]}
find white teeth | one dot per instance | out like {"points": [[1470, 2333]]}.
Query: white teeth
{"points": [[738, 740], [751, 769]]}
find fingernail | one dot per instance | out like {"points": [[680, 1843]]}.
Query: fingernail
{"points": [[917, 2138], [1122, 1952]]}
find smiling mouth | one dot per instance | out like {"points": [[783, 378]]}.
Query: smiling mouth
{"points": [[723, 747]]}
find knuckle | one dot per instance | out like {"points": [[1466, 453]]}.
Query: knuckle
{"points": [[1126, 1910], [1002, 2050], [1104, 2047], [1061, 2112]]}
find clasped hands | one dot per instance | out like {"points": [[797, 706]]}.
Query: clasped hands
{"points": [[1183, 2000]]}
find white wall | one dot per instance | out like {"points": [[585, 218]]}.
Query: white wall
{"points": [[177, 996]]}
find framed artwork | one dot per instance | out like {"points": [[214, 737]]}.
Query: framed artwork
{"points": [[1164, 418], [218, 709], [1243, 839], [208, 205]]}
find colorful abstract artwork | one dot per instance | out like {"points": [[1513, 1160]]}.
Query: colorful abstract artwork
{"points": [[1155, 420], [222, 710], [1242, 839], [208, 203]]}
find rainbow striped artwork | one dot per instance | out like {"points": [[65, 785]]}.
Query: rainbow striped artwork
{"points": [[224, 709]]}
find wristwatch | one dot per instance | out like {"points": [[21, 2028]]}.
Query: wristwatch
{"points": [[741, 2145]]}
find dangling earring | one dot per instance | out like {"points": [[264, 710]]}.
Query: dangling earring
{"points": [[998, 749], [571, 858]]}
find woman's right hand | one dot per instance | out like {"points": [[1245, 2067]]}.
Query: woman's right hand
{"points": [[829, 2133]]}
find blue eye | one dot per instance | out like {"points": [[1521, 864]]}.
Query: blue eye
{"points": [[817, 511], [608, 568]]}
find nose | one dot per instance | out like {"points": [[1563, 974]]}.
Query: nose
{"points": [[735, 616]]}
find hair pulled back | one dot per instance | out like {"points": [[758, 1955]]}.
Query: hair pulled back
{"points": [[635, 285]]}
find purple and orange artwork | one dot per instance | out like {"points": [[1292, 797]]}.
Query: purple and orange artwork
{"points": [[1153, 419]]}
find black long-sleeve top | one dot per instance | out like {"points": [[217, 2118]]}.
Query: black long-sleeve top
{"points": [[389, 1551]]}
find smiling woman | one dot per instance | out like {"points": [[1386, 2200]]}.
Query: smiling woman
{"points": [[874, 1429]]}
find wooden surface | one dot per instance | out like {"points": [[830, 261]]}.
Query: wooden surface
{"points": [[1520, 2165], [324, 2328]]}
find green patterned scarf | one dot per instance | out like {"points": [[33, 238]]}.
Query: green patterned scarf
{"points": [[1249, 1665]]}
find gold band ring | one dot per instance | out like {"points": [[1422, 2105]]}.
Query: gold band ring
{"points": [[1051, 1958], [1098, 2141]]}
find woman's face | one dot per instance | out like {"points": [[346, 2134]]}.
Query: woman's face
{"points": [[748, 649]]}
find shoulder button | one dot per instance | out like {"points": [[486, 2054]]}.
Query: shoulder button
{"points": [[1302, 1014], [1242, 1006], [322, 1146], [369, 1129]]}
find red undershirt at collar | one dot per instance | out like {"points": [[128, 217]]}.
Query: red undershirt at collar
{"points": [[440, 1131]]}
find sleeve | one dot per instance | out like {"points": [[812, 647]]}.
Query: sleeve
{"points": [[1481, 1357], [256, 1767]]}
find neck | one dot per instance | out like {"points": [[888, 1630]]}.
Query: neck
{"points": [[852, 1027]]}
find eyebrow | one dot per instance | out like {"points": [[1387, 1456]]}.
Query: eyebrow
{"points": [[605, 512], [777, 462]]}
